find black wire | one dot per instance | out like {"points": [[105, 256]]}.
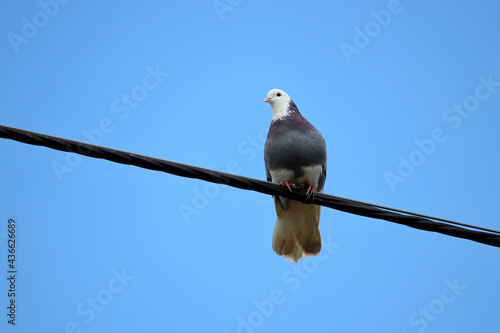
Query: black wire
{"points": [[429, 217], [346, 205]]}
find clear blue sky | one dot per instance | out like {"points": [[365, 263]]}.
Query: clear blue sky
{"points": [[406, 94]]}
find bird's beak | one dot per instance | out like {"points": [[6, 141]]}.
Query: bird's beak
{"points": [[267, 99]]}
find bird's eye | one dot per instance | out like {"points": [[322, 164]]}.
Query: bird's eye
{"points": [[278, 94]]}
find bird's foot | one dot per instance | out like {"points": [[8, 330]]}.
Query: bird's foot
{"points": [[310, 193], [288, 185]]}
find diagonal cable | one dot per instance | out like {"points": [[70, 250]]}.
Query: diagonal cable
{"points": [[417, 221]]}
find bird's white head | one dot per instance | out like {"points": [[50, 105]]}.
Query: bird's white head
{"points": [[279, 101]]}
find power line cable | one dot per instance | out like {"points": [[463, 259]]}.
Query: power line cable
{"points": [[417, 221], [427, 216]]}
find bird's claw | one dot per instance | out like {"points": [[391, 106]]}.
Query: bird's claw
{"points": [[310, 193], [288, 185]]}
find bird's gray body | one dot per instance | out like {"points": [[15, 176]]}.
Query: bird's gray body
{"points": [[292, 144]]}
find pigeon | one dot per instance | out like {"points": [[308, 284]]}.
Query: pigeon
{"points": [[294, 156]]}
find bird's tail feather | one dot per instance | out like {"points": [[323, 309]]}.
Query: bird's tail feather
{"points": [[296, 234]]}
